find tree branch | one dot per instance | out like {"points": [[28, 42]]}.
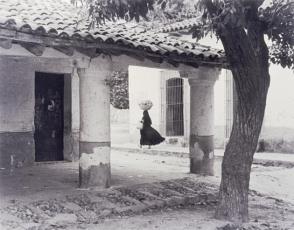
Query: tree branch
{"points": [[278, 10]]}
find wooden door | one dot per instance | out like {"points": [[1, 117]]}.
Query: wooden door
{"points": [[49, 90]]}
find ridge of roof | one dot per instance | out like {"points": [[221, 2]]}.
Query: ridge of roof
{"points": [[55, 18]]}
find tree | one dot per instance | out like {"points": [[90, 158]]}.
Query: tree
{"points": [[119, 90], [241, 25]]}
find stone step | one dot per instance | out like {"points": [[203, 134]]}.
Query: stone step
{"points": [[92, 206]]}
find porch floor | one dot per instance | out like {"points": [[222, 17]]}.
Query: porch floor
{"points": [[25, 192], [54, 179], [57, 179]]}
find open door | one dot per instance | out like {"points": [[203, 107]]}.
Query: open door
{"points": [[49, 95]]}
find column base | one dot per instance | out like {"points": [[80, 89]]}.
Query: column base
{"points": [[202, 155], [95, 176], [202, 166], [94, 167]]}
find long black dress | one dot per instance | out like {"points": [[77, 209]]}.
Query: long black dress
{"points": [[149, 136]]}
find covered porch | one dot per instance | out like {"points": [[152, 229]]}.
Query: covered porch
{"points": [[85, 60]]}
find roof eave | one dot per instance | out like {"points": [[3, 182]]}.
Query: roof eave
{"points": [[111, 48]]}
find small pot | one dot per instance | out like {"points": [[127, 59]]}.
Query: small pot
{"points": [[145, 105]]}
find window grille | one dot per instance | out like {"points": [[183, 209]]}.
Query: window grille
{"points": [[174, 107]]}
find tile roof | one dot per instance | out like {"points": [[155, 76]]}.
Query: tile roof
{"points": [[55, 18]]}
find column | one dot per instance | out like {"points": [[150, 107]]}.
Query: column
{"points": [[75, 111], [202, 120], [94, 144]]}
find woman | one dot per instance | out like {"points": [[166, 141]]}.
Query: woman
{"points": [[149, 136]]}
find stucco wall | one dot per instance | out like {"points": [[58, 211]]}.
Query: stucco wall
{"points": [[17, 101], [16, 96], [277, 134], [280, 101], [164, 77], [219, 100], [144, 83], [219, 110], [278, 126], [16, 112], [148, 83]]}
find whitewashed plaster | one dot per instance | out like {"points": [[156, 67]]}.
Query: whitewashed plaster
{"points": [[100, 155]]}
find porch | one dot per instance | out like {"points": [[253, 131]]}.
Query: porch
{"points": [[31, 47]]}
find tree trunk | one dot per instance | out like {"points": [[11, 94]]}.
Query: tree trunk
{"points": [[247, 54]]}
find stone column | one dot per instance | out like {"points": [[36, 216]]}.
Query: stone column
{"points": [[94, 162], [202, 120], [75, 111]]}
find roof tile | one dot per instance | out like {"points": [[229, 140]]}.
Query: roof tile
{"points": [[57, 18]]}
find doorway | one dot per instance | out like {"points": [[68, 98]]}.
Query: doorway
{"points": [[49, 116]]}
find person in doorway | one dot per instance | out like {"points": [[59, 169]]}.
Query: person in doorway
{"points": [[149, 136]]}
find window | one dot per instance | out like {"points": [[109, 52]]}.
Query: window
{"points": [[174, 107]]}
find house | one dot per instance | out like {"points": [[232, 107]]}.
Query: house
{"points": [[54, 97], [171, 111], [171, 95]]}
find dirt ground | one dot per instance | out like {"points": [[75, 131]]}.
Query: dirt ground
{"points": [[46, 196]]}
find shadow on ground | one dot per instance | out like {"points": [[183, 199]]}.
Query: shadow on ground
{"points": [[148, 192]]}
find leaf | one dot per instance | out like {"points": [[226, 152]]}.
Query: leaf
{"points": [[137, 17], [204, 15], [159, 2], [163, 5]]}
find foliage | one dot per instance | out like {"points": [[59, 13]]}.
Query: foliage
{"points": [[119, 90], [101, 11], [276, 18], [279, 20], [241, 25]]}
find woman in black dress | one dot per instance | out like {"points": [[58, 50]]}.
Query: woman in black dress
{"points": [[149, 136]]}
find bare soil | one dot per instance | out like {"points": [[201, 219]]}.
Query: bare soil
{"points": [[148, 192]]}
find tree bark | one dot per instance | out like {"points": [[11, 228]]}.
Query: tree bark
{"points": [[247, 54]]}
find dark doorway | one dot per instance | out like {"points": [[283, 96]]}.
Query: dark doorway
{"points": [[49, 93]]}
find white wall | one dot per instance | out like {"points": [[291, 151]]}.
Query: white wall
{"points": [[166, 75], [219, 100], [16, 95], [278, 125], [279, 116], [280, 100], [17, 101], [144, 83]]}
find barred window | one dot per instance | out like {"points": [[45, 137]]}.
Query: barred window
{"points": [[174, 107]]}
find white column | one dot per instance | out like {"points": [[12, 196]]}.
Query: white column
{"points": [[75, 111], [202, 120], [186, 111], [94, 163]]}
